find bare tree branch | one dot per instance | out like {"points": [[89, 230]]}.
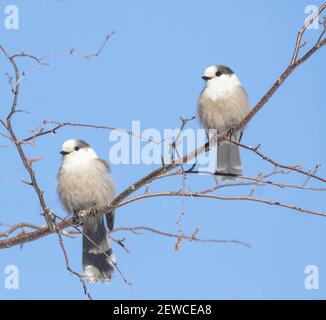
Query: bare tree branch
{"points": [[214, 196], [24, 159], [192, 237], [295, 168], [58, 125], [69, 269], [176, 167], [120, 199], [298, 44]]}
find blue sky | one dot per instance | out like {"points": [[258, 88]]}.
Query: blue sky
{"points": [[150, 71]]}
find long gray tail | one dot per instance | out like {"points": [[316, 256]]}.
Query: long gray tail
{"points": [[228, 164], [97, 265]]}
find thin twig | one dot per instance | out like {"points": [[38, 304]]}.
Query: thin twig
{"points": [[173, 235]]}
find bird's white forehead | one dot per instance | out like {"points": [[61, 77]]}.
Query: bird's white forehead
{"points": [[210, 71], [69, 145]]}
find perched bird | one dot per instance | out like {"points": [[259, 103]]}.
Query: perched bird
{"points": [[83, 182], [223, 104]]}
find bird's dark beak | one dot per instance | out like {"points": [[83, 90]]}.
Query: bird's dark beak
{"points": [[206, 78], [64, 153]]}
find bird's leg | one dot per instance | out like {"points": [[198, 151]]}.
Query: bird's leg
{"points": [[76, 219], [232, 133]]}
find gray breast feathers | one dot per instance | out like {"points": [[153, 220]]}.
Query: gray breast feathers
{"points": [[225, 112], [85, 187]]}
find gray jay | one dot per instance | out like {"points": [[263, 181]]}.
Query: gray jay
{"points": [[223, 104], [84, 182]]}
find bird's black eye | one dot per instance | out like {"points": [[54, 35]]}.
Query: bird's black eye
{"points": [[218, 73], [76, 148]]}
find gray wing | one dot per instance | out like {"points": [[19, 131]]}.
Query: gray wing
{"points": [[109, 217], [104, 163]]}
